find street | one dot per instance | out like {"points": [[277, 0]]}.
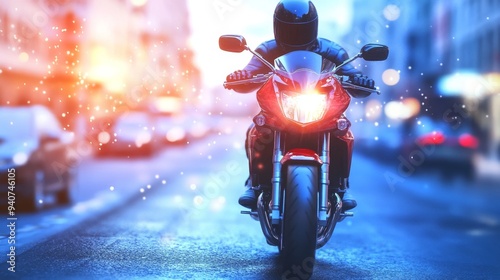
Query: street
{"points": [[175, 216]]}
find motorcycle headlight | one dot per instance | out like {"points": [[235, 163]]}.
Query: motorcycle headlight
{"points": [[304, 108]]}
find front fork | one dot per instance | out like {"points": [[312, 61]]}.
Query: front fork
{"points": [[324, 179], [276, 179]]}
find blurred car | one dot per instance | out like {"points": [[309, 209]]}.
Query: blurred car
{"points": [[171, 129], [179, 128], [36, 151], [446, 146], [174, 123], [378, 140], [131, 133]]}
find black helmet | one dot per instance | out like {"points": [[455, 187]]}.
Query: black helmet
{"points": [[295, 23]]}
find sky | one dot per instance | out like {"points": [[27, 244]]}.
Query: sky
{"points": [[252, 19]]}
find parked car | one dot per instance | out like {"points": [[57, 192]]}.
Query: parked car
{"points": [[36, 152], [171, 129], [445, 146], [131, 133], [180, 128], [176, 123]]}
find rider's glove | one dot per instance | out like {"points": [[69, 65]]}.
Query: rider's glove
{"points": [[239, 75], [362, 80]]}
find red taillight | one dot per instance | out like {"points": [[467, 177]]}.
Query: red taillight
{"points": [[434, 138], [468, 141]]}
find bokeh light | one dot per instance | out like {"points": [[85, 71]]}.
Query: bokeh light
{"points": [[138, 3], [391, 12], [390, 77]]}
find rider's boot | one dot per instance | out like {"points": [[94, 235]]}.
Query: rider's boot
{"points": [[348, 201], [249, 198]]}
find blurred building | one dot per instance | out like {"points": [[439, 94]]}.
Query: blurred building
{"points": [[94, 57], [369, 25], [438, 50], [385, 22], [467, 41], [147, 55], [39, 54]]}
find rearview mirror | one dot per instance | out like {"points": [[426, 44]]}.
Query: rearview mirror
{"points": [[232, 43], [374, 52]]}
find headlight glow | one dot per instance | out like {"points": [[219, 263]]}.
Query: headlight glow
{"points": [[304, 108], [142, 139], [104, 137], [176, 134]]}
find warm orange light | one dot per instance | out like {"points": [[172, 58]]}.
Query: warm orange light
{"points": [[107, 70], [167, 104], [373, 109], [412, 106], [138, 3], [24, 57], [493, 82]]}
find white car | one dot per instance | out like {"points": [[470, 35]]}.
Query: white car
{"points": [[35, 155], [130, 134]]}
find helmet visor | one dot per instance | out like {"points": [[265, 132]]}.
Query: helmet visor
{"points": [[295, 34]]}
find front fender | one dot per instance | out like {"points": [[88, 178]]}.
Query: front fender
{"points": [[301, 155]]}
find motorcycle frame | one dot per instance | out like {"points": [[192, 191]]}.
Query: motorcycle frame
{"points": [[271, 216]]}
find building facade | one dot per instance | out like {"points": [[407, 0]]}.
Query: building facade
{"points": [[93, 57]]}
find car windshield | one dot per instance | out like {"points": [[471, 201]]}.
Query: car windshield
{"points": [[16, 124]]}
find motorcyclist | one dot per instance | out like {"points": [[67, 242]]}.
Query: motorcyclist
{"points": [[295, 28]]}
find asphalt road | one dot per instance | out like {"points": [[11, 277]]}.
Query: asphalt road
{"points": [[175, 216]]}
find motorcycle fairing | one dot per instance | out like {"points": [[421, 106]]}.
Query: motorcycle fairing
{"points": [[300, 73]]}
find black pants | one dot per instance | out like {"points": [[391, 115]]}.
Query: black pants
{"points": [[259, 145]]}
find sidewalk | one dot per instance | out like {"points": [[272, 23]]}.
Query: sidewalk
{"points": [[476, 199], [487, 169]]}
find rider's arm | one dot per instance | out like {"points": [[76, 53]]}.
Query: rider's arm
{"points": [[338, 55], [255, 67]]}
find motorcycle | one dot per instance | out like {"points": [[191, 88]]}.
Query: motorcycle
{"points": [[302, 102]]}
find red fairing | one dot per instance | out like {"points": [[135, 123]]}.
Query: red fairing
{"points": [[268, 100], [338, 101]]}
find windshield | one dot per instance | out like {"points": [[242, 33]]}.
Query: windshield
{"points": [[303, 71], [296, 60]]}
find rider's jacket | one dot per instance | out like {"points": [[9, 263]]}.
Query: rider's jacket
{"points": [[270, 50]]}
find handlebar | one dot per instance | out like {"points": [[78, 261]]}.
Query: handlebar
{"points": [[344, 80], [349, 85], [261, 78], [257, 79]]}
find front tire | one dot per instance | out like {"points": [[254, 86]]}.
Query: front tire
{"points": [[300, 221], [34, 184], [64, 195]]}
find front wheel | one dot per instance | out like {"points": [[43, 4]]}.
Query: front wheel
{"points": [[34, 183], [64, 195], [300, 221]]}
